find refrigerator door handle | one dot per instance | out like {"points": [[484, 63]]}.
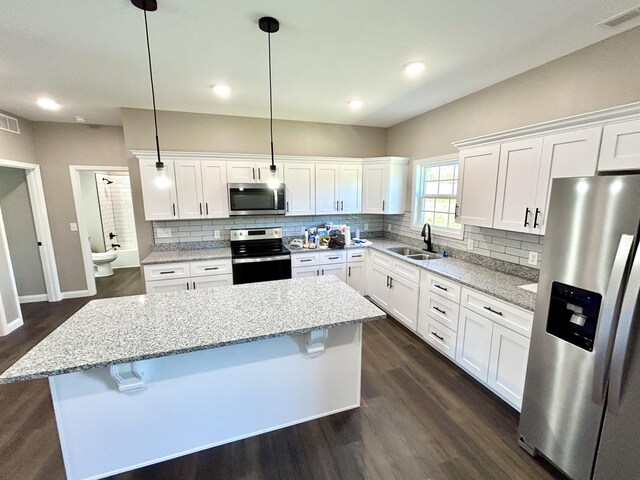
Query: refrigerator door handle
{"points": [[627, 313], [605, 333]]}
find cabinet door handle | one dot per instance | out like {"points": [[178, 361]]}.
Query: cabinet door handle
{"points": [[287, 206], [526, 216], [306, 260], [253, 170], [439, 310], [349, 271], [323, 271], [493, 311], [200, 208], [390, 282], [356, 256], [194, 285], [341, 205], [455, 215], [535, 218], [440, 287], [212, 268], [337, 205], [333, 258], [167, 272], [206, 207], [187, 285], [317, 273], [387, 281], [383, 205], [259, 176], [174, 209], [437, 336]]}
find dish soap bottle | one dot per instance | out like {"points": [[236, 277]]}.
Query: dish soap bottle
{"points": [[306, 238]]}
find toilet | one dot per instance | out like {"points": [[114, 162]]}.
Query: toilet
{"points": [[102, 261]]}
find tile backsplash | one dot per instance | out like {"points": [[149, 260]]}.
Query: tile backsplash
{"points": [[192, 231], [509, 247]]}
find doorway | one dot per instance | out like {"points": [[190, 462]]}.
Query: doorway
{"points": [[28, 270]]}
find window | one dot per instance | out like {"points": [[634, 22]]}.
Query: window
{"points": [[435, 188]]}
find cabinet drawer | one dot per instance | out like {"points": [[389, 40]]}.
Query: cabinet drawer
{"points": [[438, 336], [333, 256], [304, 259], [439, 308], [447, 289], [210, 267], [166, 271], [382, 259], [510, 316], [406, 270], [356, 255]]}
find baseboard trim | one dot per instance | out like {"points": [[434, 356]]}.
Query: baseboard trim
{"points": [[76, 294], [39, 297], [11, 326]]}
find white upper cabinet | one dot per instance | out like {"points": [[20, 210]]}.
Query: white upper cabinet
{"points": [[566, 154], [262, 169], [159, 203], [477, 182], [517, 180], [215, 194], [300, 188], [241, 172], [620, 147], [338, 188], [189, 189], [384, 183]]}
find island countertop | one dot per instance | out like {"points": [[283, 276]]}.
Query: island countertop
{"points": [[125, 329]]}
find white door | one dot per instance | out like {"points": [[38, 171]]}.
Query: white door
{"points": [[517, 182], [189, 189], [339, 271], [212, 281], [301, 272], [350, 193], [473, 348], [159, 203], [567, 154], [262, 169], [241, 172], [214, 189], [173, 285], [477, 182], [405, 297], [300, 188], [327, 189], [356, 276], [508, 364], [379, 290], [620, 147], [375, 186]]}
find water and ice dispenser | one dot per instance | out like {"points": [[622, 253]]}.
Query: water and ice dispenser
{"points": [[573, 314]]}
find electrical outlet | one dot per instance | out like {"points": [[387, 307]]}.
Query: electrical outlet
{"points": [[470, 244], [163, 233], [533, 258], [216, 234], [366, 227], [74, 227]]}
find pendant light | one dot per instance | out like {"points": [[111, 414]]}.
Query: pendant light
{"points": [[270, 25], [162, 181]]}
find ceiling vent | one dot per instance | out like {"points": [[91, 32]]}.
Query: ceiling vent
{"points": [[622, 17], [9, 124]]}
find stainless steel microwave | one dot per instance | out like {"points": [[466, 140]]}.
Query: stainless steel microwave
{"points": [[256, 199]]}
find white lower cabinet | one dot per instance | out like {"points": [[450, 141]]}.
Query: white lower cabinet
{"points": [[212, 281], [339, 271], [356, 276], [320, 263], [172, 277], [404, 301], [474, 343], [508, 364], [379, 290], [438, 336], [301, 272], [171, 285]]}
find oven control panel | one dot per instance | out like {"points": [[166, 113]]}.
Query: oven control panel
{"points": [[256, 234]]}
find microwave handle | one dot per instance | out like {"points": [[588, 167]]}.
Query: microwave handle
{"points": [[275, 198]]}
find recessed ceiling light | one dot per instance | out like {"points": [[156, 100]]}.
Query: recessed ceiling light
{"points": [[222, 91], [355, 104], [414, 68], [48, 104], [80, 119]]}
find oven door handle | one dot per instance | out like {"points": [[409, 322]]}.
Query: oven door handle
{"points": [[279, 258]]}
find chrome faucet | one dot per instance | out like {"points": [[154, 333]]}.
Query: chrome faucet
{"points": [[426, 234]]}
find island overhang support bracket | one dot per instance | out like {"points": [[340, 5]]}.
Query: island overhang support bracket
{"points": [[316, 342], [127, 377]]}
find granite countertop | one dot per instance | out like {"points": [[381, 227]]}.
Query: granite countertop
{"points": [[171, 256], [497, 284], [117, 330], [294, 250]]}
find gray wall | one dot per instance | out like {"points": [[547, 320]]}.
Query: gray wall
{"points": [[91, 210], [21, 232]]}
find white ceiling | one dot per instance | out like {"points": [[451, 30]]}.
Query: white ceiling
{"points": [[90, 55]]}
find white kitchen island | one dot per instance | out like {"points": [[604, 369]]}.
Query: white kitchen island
{"points": [[142, 379]]}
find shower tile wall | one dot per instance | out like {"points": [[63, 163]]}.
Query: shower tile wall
{"points": [[116, 210]]}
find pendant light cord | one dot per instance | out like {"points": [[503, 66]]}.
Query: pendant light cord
{"points": [[159, 163], [270, 103]]}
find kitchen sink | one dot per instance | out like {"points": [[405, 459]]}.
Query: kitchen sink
{"points": [[422, 256], [405, 251]]}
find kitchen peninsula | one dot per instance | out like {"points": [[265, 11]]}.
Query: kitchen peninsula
{"points": [[141, 379]]}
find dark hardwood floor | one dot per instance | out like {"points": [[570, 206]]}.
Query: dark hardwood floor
{"points": [[421, 418]]}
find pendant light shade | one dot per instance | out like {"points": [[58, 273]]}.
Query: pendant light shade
{"points": [[162, 181], [270, 25]]}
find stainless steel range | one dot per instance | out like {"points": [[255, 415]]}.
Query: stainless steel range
{"points": [[258, 255]]}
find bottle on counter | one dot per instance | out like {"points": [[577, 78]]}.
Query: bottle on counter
{"points": [[306, 238]]}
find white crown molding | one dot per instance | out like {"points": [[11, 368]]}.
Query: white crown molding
{"points": [[623, 112]]}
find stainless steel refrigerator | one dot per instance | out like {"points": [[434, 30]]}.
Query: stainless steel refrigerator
{"points": [[581, 403]]}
